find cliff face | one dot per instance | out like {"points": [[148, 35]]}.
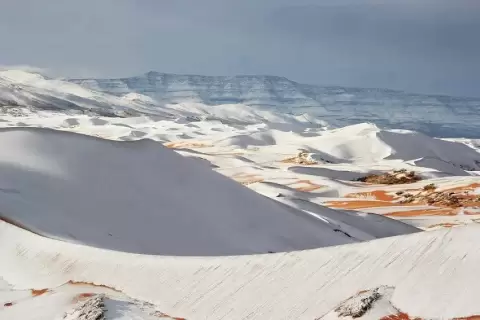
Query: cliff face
{"points": [[439, 116], [434, 115], [171, 88]]}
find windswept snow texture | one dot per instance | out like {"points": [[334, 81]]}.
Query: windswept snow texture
{"points": [[439, 116], [432, 275]]}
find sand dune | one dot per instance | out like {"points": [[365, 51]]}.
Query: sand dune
{"points": [[432, 275], [141, 197], [121, 207]]}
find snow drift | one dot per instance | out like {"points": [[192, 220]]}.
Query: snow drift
{"points": [[432, 275], [366, 143]]}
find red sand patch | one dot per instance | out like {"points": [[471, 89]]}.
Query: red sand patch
{"points": [[444, 225], [310, 186], [425, 212], [380, 198], [8, 304], [82, 297], [246, 178], [362, 204], [471, 204], [376, 194], [469, 187], [81, 283], [399, 316], [405, 316], [471, 213], [38, 292]]}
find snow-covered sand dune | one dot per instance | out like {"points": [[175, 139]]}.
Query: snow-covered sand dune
{"points": [[142, 197], [196, 211], [433, 276]]}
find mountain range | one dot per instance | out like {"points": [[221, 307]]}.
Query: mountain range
{"points": [[159, 93], [435, 115]]}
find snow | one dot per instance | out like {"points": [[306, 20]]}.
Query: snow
{"points": [[142, 197], [430, 271], [433, 115], [224, 210], [368, 143], [138, 97], [32, 90]]}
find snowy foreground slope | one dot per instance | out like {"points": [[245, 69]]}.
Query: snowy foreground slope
{"points": [[432, 275], [114, 206]]}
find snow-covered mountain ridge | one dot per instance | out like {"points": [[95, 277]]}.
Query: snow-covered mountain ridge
{"points": [[435, 115]]}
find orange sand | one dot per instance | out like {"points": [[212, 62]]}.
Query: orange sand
{"points": [[376, 194], [469, 187], [246, 178], [404, 316], [382, 199], [38, 292], [445, 225], [81, 283], [310, 185], [399, 316], [362, 204], [425, 212], [82, 297]]}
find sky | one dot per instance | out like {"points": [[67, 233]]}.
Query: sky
{"points": [[428, 46]]}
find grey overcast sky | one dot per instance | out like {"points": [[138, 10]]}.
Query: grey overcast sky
{"points": [[430, 46]]}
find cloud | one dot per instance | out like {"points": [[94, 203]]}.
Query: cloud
{"points": [[423, 47]]}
